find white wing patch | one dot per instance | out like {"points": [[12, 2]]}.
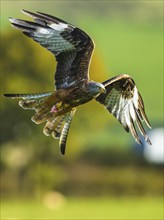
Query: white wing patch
{"points": [[45, 31], [58, 27], [132, 112], [135, 96]]}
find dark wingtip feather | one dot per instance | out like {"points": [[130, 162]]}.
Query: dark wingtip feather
{"points": [[147, 122], [26, 12], [11, 95], [148, 141], [10, 19], [23, 10], [139, 141], [52, 18], [7, 95]]}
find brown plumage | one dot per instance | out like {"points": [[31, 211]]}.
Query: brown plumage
{"points": [[73, 48]]}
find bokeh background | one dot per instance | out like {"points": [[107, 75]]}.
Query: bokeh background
{"points": [[104, 174]]}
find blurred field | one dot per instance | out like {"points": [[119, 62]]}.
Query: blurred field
{"points": [[144, 208]]}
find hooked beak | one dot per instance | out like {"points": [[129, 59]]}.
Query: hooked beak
{"points": [[103, 90]]}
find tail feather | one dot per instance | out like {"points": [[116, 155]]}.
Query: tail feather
{"points": [[65, 130], [53, 126], [48, 128], [42, 115], [40, 106], [31, 104], [58, 127]]}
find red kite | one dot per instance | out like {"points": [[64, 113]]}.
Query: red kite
{"points": [[73, 48]]}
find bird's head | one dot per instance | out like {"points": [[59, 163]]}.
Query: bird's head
{"points": [[96, 88]]}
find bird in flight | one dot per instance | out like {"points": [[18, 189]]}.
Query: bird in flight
{"points": [[73, 49]]}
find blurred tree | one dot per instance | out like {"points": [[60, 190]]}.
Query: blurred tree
{"points": [[30, 162]]}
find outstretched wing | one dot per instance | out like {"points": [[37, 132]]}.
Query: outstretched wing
{"points": [[123, 100], [71, 46]]}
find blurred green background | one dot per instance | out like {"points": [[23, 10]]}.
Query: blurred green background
{"points": [[104, 174]]}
